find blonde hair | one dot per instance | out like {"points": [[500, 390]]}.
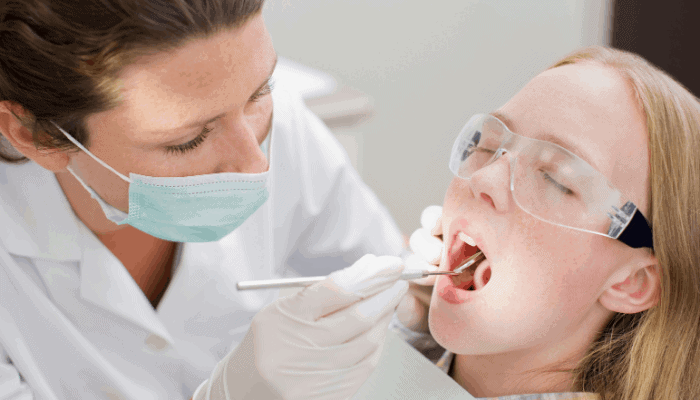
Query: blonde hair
{"points": [[656, 354]]}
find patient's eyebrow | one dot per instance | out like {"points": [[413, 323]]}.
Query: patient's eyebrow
{"points": [[552, 138]]}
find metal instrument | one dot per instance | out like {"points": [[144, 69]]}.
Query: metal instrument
{"points": [[307, 281], [478, 257]]}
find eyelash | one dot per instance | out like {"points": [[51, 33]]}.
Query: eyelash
{"points": [[558, 185], [264, 92], [194, 143]]}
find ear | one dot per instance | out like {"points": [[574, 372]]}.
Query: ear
{"points": [[635, 287], [23, 141]]}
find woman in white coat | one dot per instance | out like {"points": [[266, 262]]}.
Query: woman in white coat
{"points": [[161, 170]]}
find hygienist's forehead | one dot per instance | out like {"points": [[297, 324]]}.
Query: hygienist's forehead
{"points": [[197, 82]]}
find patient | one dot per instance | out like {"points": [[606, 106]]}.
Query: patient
{"points": [[560, 189]]}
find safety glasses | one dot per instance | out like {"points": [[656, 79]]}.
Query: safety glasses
{"points": [[550, 183]]}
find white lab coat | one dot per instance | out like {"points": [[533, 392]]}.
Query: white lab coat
{"points": [[75, 324]]}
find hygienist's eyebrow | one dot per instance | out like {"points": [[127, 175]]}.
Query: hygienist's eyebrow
{"points": [[203, 122], [548, 137]]}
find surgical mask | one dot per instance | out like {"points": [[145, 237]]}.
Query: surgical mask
{"points": [[550, 183], [201, 208]]}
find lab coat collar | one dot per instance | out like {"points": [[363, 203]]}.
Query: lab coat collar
{"points": [[106, 283], [36, 220]]}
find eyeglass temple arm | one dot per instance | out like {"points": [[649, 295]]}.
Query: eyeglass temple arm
{"points": [[637, 234]]}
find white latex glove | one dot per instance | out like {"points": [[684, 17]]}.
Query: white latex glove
{"points": [[321, 343], [426, 244], [427, 248]]}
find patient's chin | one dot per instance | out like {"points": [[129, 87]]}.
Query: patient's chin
{"points": [[461, 336]]}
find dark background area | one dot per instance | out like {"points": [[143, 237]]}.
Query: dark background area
{"points": [[665, 32]]}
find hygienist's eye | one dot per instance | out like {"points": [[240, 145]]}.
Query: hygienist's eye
{"points": [[264, 91], [192, 144]]}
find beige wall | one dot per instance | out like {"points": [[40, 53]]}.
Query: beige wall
{"points": [[429, 65]]}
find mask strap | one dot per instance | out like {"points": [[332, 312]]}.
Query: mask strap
{"points": [[113, 214], [81, 147]]}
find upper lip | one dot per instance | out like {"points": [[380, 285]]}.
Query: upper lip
{"points": [[457, 226]]}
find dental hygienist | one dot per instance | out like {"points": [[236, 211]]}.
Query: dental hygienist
{"points": [[161, 168]]}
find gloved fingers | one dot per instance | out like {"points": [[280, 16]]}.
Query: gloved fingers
{"points": [[372, 309], [349, 354], [366, 277], [360, 317], [430, 220], [426, 246], [344, 356], [315, 301], [415, 262], [370, 340], [331, 330], [335, 356]]}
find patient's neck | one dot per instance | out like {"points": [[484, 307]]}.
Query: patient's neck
{"points": [[493, 376]]}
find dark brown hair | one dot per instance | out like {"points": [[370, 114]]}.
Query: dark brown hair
{"points": [[59, 59]]}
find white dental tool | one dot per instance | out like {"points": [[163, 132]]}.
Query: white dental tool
{"points": [[307, 281]]}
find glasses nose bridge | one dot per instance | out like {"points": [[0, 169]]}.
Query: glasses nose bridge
{"points": [[506, 146], [501, 151], [490, 167], [511, 144]]}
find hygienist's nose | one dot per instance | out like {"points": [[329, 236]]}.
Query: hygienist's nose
{"points": [[240, 151], [491, 183], [253, 161]]}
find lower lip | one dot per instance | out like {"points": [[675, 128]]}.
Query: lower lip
{"points": [[448, 292]]}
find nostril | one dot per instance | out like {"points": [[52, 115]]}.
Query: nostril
{"points": [[488, 199]]}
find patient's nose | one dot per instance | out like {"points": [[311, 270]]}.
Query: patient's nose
{"points": [[491, 183]]}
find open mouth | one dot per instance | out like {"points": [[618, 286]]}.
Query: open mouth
{"points": [[478, 274]]}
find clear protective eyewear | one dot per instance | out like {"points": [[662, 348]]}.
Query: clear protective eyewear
{"points": [[550, 182]]}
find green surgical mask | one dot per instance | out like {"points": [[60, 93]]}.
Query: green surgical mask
{"points": [[200, 208]]}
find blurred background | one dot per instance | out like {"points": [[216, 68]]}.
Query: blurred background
{"points": [[395, 80], [407, 74], [424, 67]]}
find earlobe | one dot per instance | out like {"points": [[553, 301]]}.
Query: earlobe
{"points": [[23, 141], [634, 290]]}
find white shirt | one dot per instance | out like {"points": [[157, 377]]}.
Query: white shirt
{"points": [[75, 325]]}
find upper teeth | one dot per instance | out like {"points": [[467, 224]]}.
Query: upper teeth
{"points": [[466, 239]]}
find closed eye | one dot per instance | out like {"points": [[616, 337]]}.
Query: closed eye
{"points": [[556, 184], [263, 91], [192, 144]]}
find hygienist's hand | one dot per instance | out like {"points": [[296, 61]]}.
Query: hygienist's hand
{"points": [[321, 343], [427, 247]]}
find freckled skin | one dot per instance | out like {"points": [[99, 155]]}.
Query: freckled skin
{"points": [[160, 96], [541, 306]]}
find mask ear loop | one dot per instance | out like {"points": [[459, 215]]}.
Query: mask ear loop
{"points": [[81, 147]]}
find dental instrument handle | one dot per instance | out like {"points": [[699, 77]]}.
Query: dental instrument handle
{"points": [[308, 281]]}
